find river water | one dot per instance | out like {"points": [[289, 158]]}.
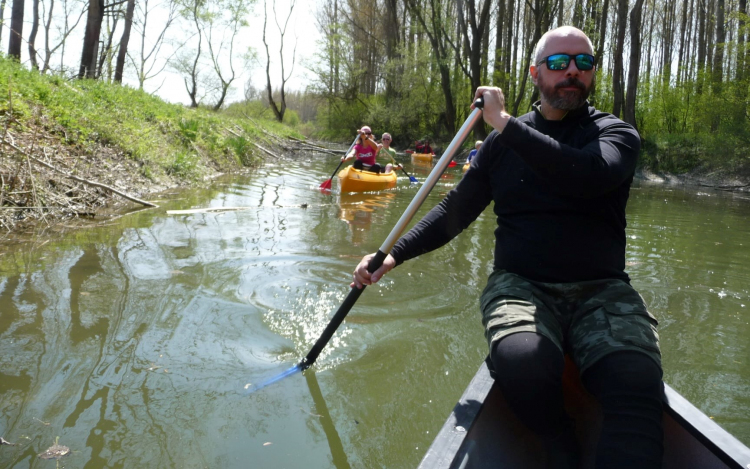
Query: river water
{"points": [[133, 339]]}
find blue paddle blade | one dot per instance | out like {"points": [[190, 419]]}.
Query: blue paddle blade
{"points": [[251, 388], [413, 179]]}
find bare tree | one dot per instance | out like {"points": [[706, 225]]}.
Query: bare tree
{"points": [[149, 64], [32, 35], [63, 31], [473, 34], [635, 61], [189, 64], [105, 56], [230, 18], [617, 74], [124, 41], [279, 110], [90, 50], [16, 29]]}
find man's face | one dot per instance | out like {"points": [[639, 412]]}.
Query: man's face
{"points": [[564, 89]]}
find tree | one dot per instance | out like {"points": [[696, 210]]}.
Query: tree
{"points": [[16, 29], [124, 41], [617, 74], [89, 53], [634, 66], [32, 35], [433, 18], [148, 59], [473, 35], [63, 32], [278, 110], [231, 15]]}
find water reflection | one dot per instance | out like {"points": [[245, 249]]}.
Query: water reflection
{"points": [[340, 461], [358, 210]]}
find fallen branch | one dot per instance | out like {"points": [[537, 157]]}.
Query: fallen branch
{"points": [[314, 147], [79, 179], [228, 209], [267, 151]]}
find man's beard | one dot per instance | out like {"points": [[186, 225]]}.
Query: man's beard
{"points": [[566, 100]]}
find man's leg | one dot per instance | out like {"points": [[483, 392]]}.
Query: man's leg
{"points": [[529, 370], [629, 388]]}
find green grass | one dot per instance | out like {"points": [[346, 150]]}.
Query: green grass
{"points": [[167, 139]]}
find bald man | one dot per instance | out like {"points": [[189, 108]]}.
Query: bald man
{"points": [[559, 178]]}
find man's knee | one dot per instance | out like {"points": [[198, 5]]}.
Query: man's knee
{"points": [[528, 356], [627, 372]]}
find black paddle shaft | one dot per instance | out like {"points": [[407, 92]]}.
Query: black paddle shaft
{"points": [[341, 313], [390, 241]]}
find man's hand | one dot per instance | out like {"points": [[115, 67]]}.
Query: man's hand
{"points": [[363, 277], [494, 107]]}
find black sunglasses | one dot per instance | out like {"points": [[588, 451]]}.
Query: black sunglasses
{"points": [[562, 61]]}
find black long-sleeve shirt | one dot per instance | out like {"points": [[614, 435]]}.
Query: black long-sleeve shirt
{"points": [[560, 189]]}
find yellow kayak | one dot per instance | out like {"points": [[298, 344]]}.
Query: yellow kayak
{"points": [[466, 166], [422, 157], [355, 180]]}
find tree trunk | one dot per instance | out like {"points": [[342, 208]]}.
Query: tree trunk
{"points": [[391, 29], [578, 14], [437, 40], [105, 57], [683, 32], [635, 59], [497, 72], [474, 47], [2, 18], [124, 40], [16, 30], [91, 39], [741, 40], [617, 73], [32, 36], [718, 68]]}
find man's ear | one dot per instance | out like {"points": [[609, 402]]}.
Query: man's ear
{"points": [[534, 72]]}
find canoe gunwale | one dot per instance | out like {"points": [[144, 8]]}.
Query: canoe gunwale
{"points": [[721, 443], [452, 446]]}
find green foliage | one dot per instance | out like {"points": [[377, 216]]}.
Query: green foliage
{"points": [[183, 165], [189, 128], [291, 118], [168, 139], [688, 125]]}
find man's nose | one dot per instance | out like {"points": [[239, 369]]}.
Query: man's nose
{"points": [[572, 69]]}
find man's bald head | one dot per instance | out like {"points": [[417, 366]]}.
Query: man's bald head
{"points": [[540, 52]]}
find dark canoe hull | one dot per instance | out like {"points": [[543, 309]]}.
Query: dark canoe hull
{"points": [[481, 432]]}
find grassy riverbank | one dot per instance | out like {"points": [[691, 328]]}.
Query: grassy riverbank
{"points": [[111, 135]]}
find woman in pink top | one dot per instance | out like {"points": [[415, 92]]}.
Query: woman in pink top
{"points": [[365, 150]]}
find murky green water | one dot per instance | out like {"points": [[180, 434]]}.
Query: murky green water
{"points": [[132, 339]]}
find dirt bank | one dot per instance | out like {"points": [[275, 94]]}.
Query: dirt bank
{"points": [[717, 179], [44, 181]]}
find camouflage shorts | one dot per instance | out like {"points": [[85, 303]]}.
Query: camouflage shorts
{"points": [[586, 320]]}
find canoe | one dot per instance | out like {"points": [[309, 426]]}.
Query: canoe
{"points": [[356, 180], [466, 167], [422, 157], [481, 432]]}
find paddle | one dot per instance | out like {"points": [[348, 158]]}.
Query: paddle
{"points": [[327, 184], [452, 164], [411, 178], [390, 241]]}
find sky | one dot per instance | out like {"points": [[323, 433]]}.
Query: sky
{"points": [[170, 86]]}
